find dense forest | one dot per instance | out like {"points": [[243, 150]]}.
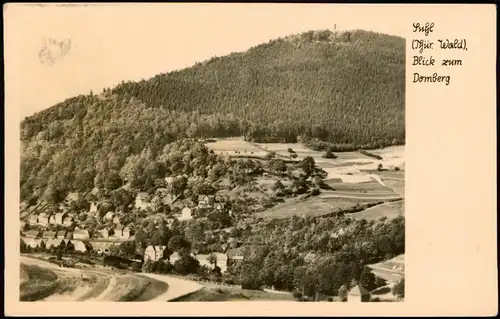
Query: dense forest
{"points": [[346, 89]]}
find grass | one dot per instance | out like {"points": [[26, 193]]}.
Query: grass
{"points": [[390, 210], [314, 206], [154, 289], [36, 282], [233, 294]]}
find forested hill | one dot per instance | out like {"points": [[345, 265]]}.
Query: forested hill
{"points": [[345, 88]]}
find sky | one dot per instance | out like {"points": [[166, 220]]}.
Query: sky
{"points": [[111, 43]]}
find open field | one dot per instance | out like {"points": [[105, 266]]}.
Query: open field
{"points": [[234, 294], [235, 146], [313, 206], [391, 270], [389, 210], [97, 284]]}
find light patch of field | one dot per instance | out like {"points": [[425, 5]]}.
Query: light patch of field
{"points": [[390, 210], [391, 270], [235, 146], [313, 206]]}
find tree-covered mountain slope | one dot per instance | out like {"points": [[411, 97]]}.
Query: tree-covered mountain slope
{"points": [[343, 88]]}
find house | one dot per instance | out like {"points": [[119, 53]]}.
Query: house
{"points": [[142, 201], [61, 234], [206, 201], [43, 219], [72, 197], [154, 253], [68, 221], [126, 232], [33, 220], [32, 234], [221, 261], [219, 206], [186, 213], [118, 231], [59, 218], [102, 247], [104, 233], [234, 255], [31, 242], [122, 232], [80, 246], [94, 207], [49, 234], [109, 216], [81, 234], [358, 294], [54, 242]]}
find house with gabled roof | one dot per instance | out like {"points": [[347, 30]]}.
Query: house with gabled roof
{"points": [[81, 234], [61, 234], [32, 234], [43, 219], [122, 232], [206, 201], [186, 214], [94, 207], [49, 234], [54, 242], [81, 246], [31, 242], [33, 220], [142, 201], [59, 218]]}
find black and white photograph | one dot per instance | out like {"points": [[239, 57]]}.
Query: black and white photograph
{"points": [[209, 162]]}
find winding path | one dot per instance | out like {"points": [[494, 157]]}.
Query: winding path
{"points": [[176, 287]]}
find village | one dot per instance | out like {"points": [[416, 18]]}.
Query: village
{"points": [[50, 230]]}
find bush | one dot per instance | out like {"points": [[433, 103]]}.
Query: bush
{"points": [[399, 289], [297, 295]]}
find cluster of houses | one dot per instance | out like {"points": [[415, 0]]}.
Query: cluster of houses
{"points": [[48, 239], [222, 260]]}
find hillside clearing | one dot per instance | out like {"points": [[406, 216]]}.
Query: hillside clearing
{"points": [[389, 210]]}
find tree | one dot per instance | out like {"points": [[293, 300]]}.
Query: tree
{"points": [[307, 165], [212, 259], [177, 243], [329, 153], [186, 265], [399, 289], [178, 185], [368, 280]]}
